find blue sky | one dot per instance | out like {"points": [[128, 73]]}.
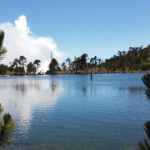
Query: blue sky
{"points": [[96, 27]]}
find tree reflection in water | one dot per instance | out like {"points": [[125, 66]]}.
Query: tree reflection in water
{"points": [[7, 127]]}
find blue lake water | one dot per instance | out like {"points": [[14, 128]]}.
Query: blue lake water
{"points": [[71, 112]]}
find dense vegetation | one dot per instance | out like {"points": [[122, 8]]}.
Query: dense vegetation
{"points": [[20, 66], [135, 59]]}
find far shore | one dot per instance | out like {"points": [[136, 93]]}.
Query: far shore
{"points": [[76, 72]]}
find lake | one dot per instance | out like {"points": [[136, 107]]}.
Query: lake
{"points": [[71, 112]]}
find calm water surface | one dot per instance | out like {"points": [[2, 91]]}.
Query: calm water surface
{"points": [[71, 112]]}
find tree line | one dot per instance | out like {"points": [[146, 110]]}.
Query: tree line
{"points": [[19, 66], [134, 59]]}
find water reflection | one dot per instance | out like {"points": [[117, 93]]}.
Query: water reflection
{"points": [[88, 115], [53, 86], [29, 96], [20, 87], [23, 86], [132, 89]]}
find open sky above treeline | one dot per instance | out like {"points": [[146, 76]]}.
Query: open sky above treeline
{"points": [[72, 27]]}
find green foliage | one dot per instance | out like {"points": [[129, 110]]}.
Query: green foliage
{"points": [[37, 63], [145, 67], [80, 62], [146, 80], [22, 61], [17, 66], [53, 66], [147, 129], [6, 118], [1, 108], [31, 69], [3, 69], [7, 127], [68, 61], [19, 71], [8, 124], [2, 48], [145, 145], [135, 59], [49, 72], [63, 65]]}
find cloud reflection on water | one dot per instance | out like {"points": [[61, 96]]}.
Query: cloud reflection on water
{"points": [[22, 97]]}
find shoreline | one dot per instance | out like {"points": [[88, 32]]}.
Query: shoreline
{"points": [[96, 72], [77, 73]]}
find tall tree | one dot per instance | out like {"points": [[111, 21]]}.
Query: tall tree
{"points": [[37, 63], [53, 66], [31, 69], [16, 63], [99, 61], [95, 60], [63, 65], [22, 60], [17, 66], [68, 61], [92, 61], [84, 60]]}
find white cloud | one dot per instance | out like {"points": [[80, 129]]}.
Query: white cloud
{"points": [[19, 40]]}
